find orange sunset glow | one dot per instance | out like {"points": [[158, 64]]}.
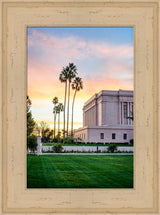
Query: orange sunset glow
{"points": [[104, 60]]}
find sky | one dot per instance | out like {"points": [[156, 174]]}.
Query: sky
{"points": [[104, 60]]}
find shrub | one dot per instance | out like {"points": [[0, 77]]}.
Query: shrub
{"points": [[32, 143], [124, 143], [118, 144], [131, 142], [57, 148], [112, 148], [99, 143], [69, 140]]}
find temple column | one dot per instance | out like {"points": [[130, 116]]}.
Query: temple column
{"points": [[128, 113], [132, 112], [119, 112], [122, 113], [130, 121]]}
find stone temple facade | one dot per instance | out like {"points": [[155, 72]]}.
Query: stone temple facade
{"points": [[105, 117]]}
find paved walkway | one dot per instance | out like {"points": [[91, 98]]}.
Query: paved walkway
{"points": [[87, 154]]}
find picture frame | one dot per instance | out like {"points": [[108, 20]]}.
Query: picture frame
{"points": [[15, 17]]}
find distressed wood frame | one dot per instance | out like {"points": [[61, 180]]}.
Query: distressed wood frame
{"points": [[15, 17]]}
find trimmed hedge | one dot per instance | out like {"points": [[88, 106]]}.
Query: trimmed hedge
{"points": [[57, 148], [131, 142], [112, 148]]}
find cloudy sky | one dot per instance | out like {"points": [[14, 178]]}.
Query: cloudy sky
{"points": [[103, 56]]}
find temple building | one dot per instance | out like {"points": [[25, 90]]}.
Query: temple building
{"points": [[105, 117]]}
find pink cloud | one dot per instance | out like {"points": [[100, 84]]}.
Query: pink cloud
{"points": [[74, 47], [49, 54]]}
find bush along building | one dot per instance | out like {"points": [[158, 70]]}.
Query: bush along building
{"points": [[108, 118]]}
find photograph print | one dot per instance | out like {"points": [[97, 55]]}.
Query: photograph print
{"points": [[80, 102]]}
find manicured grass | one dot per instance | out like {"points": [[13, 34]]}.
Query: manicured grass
{"points": [[80, 171]]}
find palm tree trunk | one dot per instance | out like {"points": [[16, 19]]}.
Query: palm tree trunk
{"points": [[72, 112], [68, 108], [58, 125], [64, 113], [42, 135], [54, 125], [55, 121]]}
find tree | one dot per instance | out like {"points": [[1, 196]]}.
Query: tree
{"points": [[55, 101], [43, 126], [29, 103], [77, 85], [66, 76], [50, 135], [72, 71], [55, 111], [63, 78], [47, 133], [32, 143], [59, 110], [30, 124], [30, 121]]}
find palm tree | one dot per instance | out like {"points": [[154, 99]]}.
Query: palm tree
{"points": [[77, 85], [55, 112], [72, 71], [54, 101], [63, 78], [43, 126], [59, 109]]}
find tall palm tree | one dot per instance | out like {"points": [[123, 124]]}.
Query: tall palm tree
{"points": [[59, 110], [54, 101], [63, 78], [72, 71], [77, 85]]}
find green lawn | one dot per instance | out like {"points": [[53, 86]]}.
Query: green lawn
{"points": [[80, 171]]}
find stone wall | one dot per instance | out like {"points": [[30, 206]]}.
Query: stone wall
{"points": [[87, 148], [93, 133]]}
